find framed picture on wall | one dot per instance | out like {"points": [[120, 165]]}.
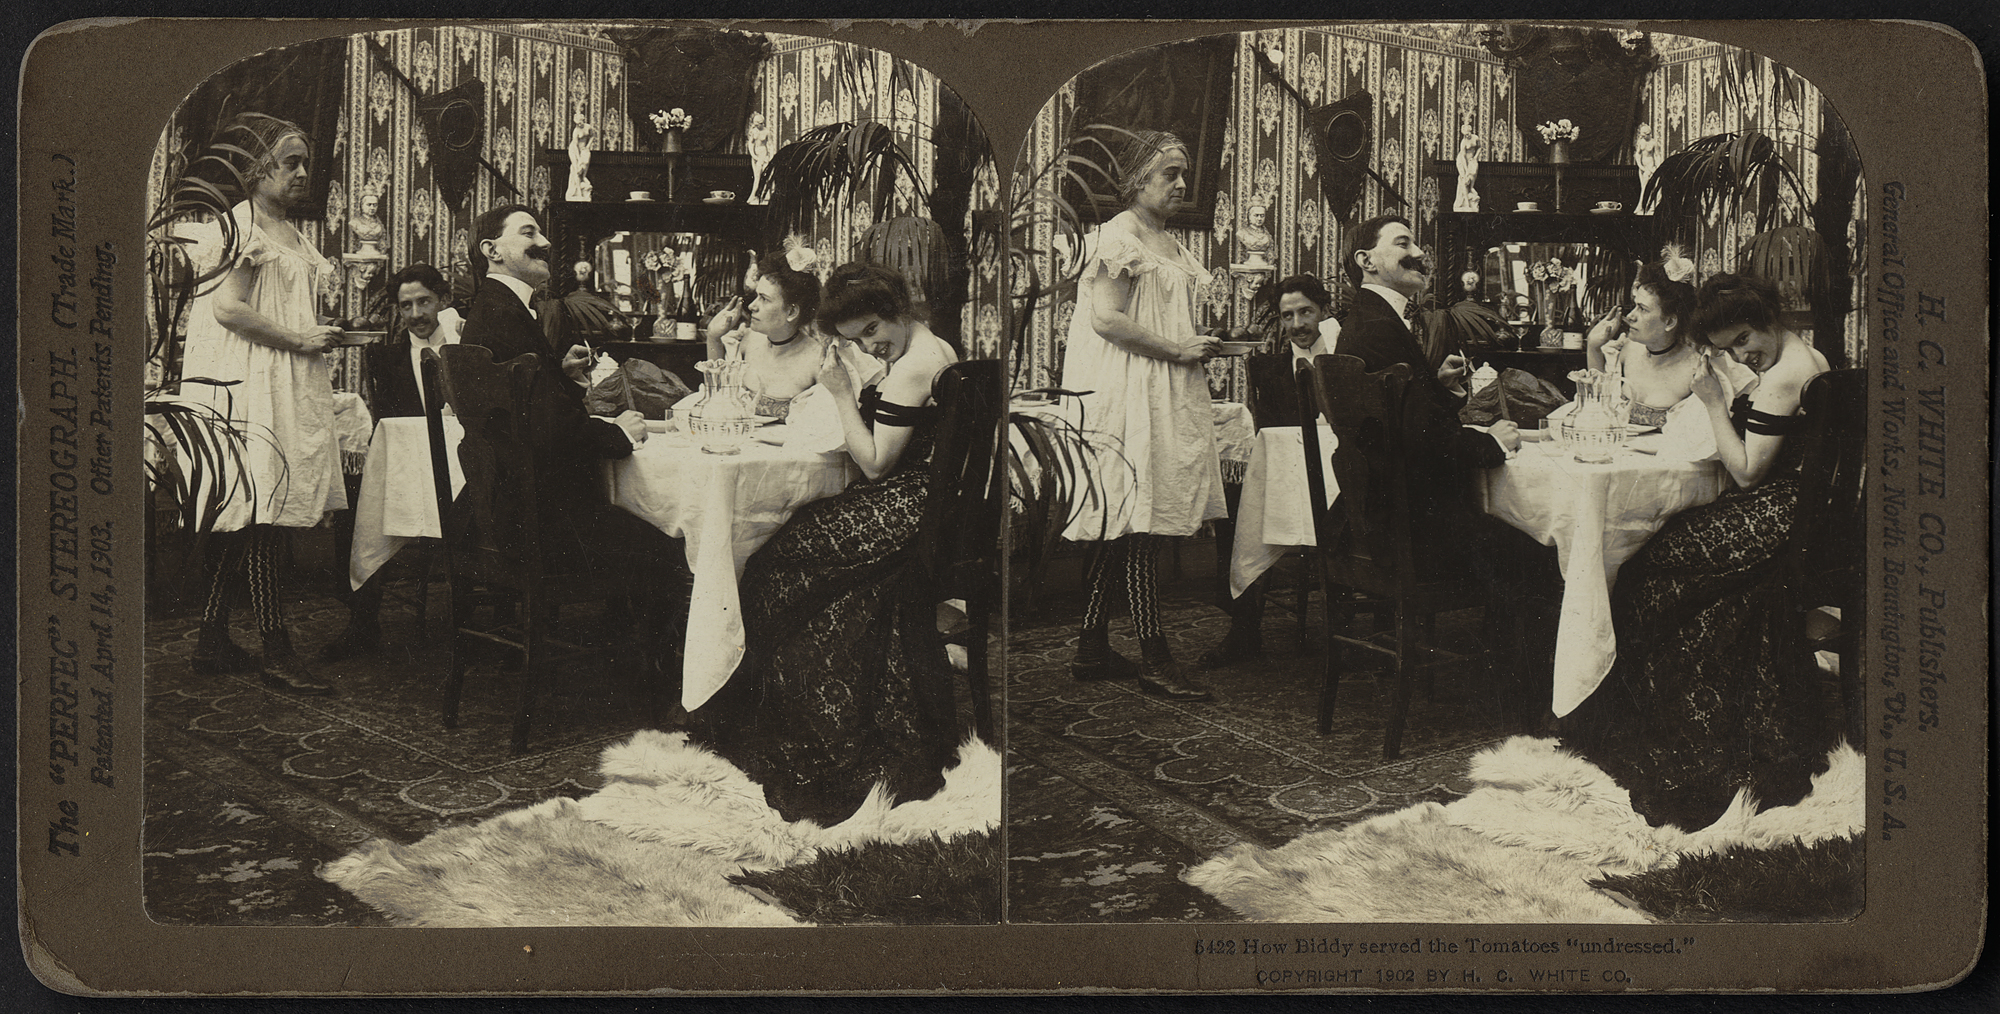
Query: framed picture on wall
{"points": [[1182, 89]]}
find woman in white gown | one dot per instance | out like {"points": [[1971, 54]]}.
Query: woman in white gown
{"points": [[258, 332], [1132, 344]]}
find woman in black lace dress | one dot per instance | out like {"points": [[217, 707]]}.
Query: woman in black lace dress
{"points": [[845, 682], [1707, 697]]}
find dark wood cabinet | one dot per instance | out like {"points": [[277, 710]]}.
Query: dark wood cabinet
{"points": [[1502, 185], [578, 226]]}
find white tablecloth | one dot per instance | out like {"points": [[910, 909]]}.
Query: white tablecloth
{"points": [[1274, 513], [1596, 516], [397, 502], [725, 506]]}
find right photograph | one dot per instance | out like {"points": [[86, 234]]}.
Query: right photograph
{"points": [[1436, 463]]}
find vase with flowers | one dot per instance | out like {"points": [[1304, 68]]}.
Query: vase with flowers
{"points": [[1558, 136], [672, 125]]}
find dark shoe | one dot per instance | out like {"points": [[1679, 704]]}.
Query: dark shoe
{"points": [[1165, 679], [285, 670], [291, 676], [218, 655], [357, 640], [1235, 647], [1090, 666]]}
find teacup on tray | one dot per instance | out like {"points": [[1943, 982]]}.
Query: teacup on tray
{"points": [[1528, 206]]}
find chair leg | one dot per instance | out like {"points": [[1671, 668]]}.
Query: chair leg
{"points": [[457, 608], [1392, 741], [1334, 621], [978, 677], [1427, 635], [538, 621], [1305, 599]]}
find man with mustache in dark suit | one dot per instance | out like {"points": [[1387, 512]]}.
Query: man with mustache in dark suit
{"points": [[1450, 532], [579, 524], [1388, 270]]}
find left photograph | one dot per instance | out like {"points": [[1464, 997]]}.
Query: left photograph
{"points": [[573, 459]]}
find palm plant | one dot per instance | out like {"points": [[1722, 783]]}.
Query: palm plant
{"points": [[1718, 171], [831, 163], [195, 451], [1053, 465]]}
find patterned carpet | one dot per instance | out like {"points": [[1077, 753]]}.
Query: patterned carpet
{"points": [[239, 774], [1113, 793]]}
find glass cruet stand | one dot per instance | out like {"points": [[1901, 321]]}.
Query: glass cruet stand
{"points": [[1596, 429], [723, 418]]}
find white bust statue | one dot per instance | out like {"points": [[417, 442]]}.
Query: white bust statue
{"points": [[1255, 238]]}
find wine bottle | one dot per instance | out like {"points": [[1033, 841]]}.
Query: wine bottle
{"points": [[687, 315]]}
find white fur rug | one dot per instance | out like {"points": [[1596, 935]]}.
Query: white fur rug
{"points": [[1521, 847], [652, 848]]}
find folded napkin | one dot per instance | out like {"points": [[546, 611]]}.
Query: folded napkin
{"points": [[1687, 434]]}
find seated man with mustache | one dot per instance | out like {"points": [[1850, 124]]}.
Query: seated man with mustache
{"points": [[579, 523], [1389, 273]]}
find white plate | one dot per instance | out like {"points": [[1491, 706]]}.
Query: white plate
{"points": [[723, 200]]}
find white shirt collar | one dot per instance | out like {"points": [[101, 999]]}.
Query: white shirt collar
{"points": [[521, 289], [1397, 301]]}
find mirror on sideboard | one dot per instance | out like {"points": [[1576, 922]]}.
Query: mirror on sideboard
{"points": [[1555, 283], [655, 275]]}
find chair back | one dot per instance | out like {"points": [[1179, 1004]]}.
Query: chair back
{"points": [[503, 409], [1830, 526], [1373, 417], [1273, 393], [960, 533]]}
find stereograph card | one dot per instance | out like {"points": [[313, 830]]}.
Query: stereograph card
{"points": [[186, 834]]}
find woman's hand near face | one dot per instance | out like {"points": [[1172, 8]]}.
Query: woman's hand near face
{"points": [[1606, 338], [833, 373], [1708, 382], [1609, 327]]}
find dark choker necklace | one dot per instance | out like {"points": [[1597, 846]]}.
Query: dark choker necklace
{"points": [[1669, 350], [788, 341]]}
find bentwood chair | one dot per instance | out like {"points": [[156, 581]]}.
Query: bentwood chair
{"points": [[495, 559], [1365, 539], [1825, 558], [959, 536]]}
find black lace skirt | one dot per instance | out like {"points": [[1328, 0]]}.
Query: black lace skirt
{"points": [[845, 682], [1707, 695]]}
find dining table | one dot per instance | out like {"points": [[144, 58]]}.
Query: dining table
{"points": [[397, 501], [1274, 512], [724, 506], [1596, 516]]}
